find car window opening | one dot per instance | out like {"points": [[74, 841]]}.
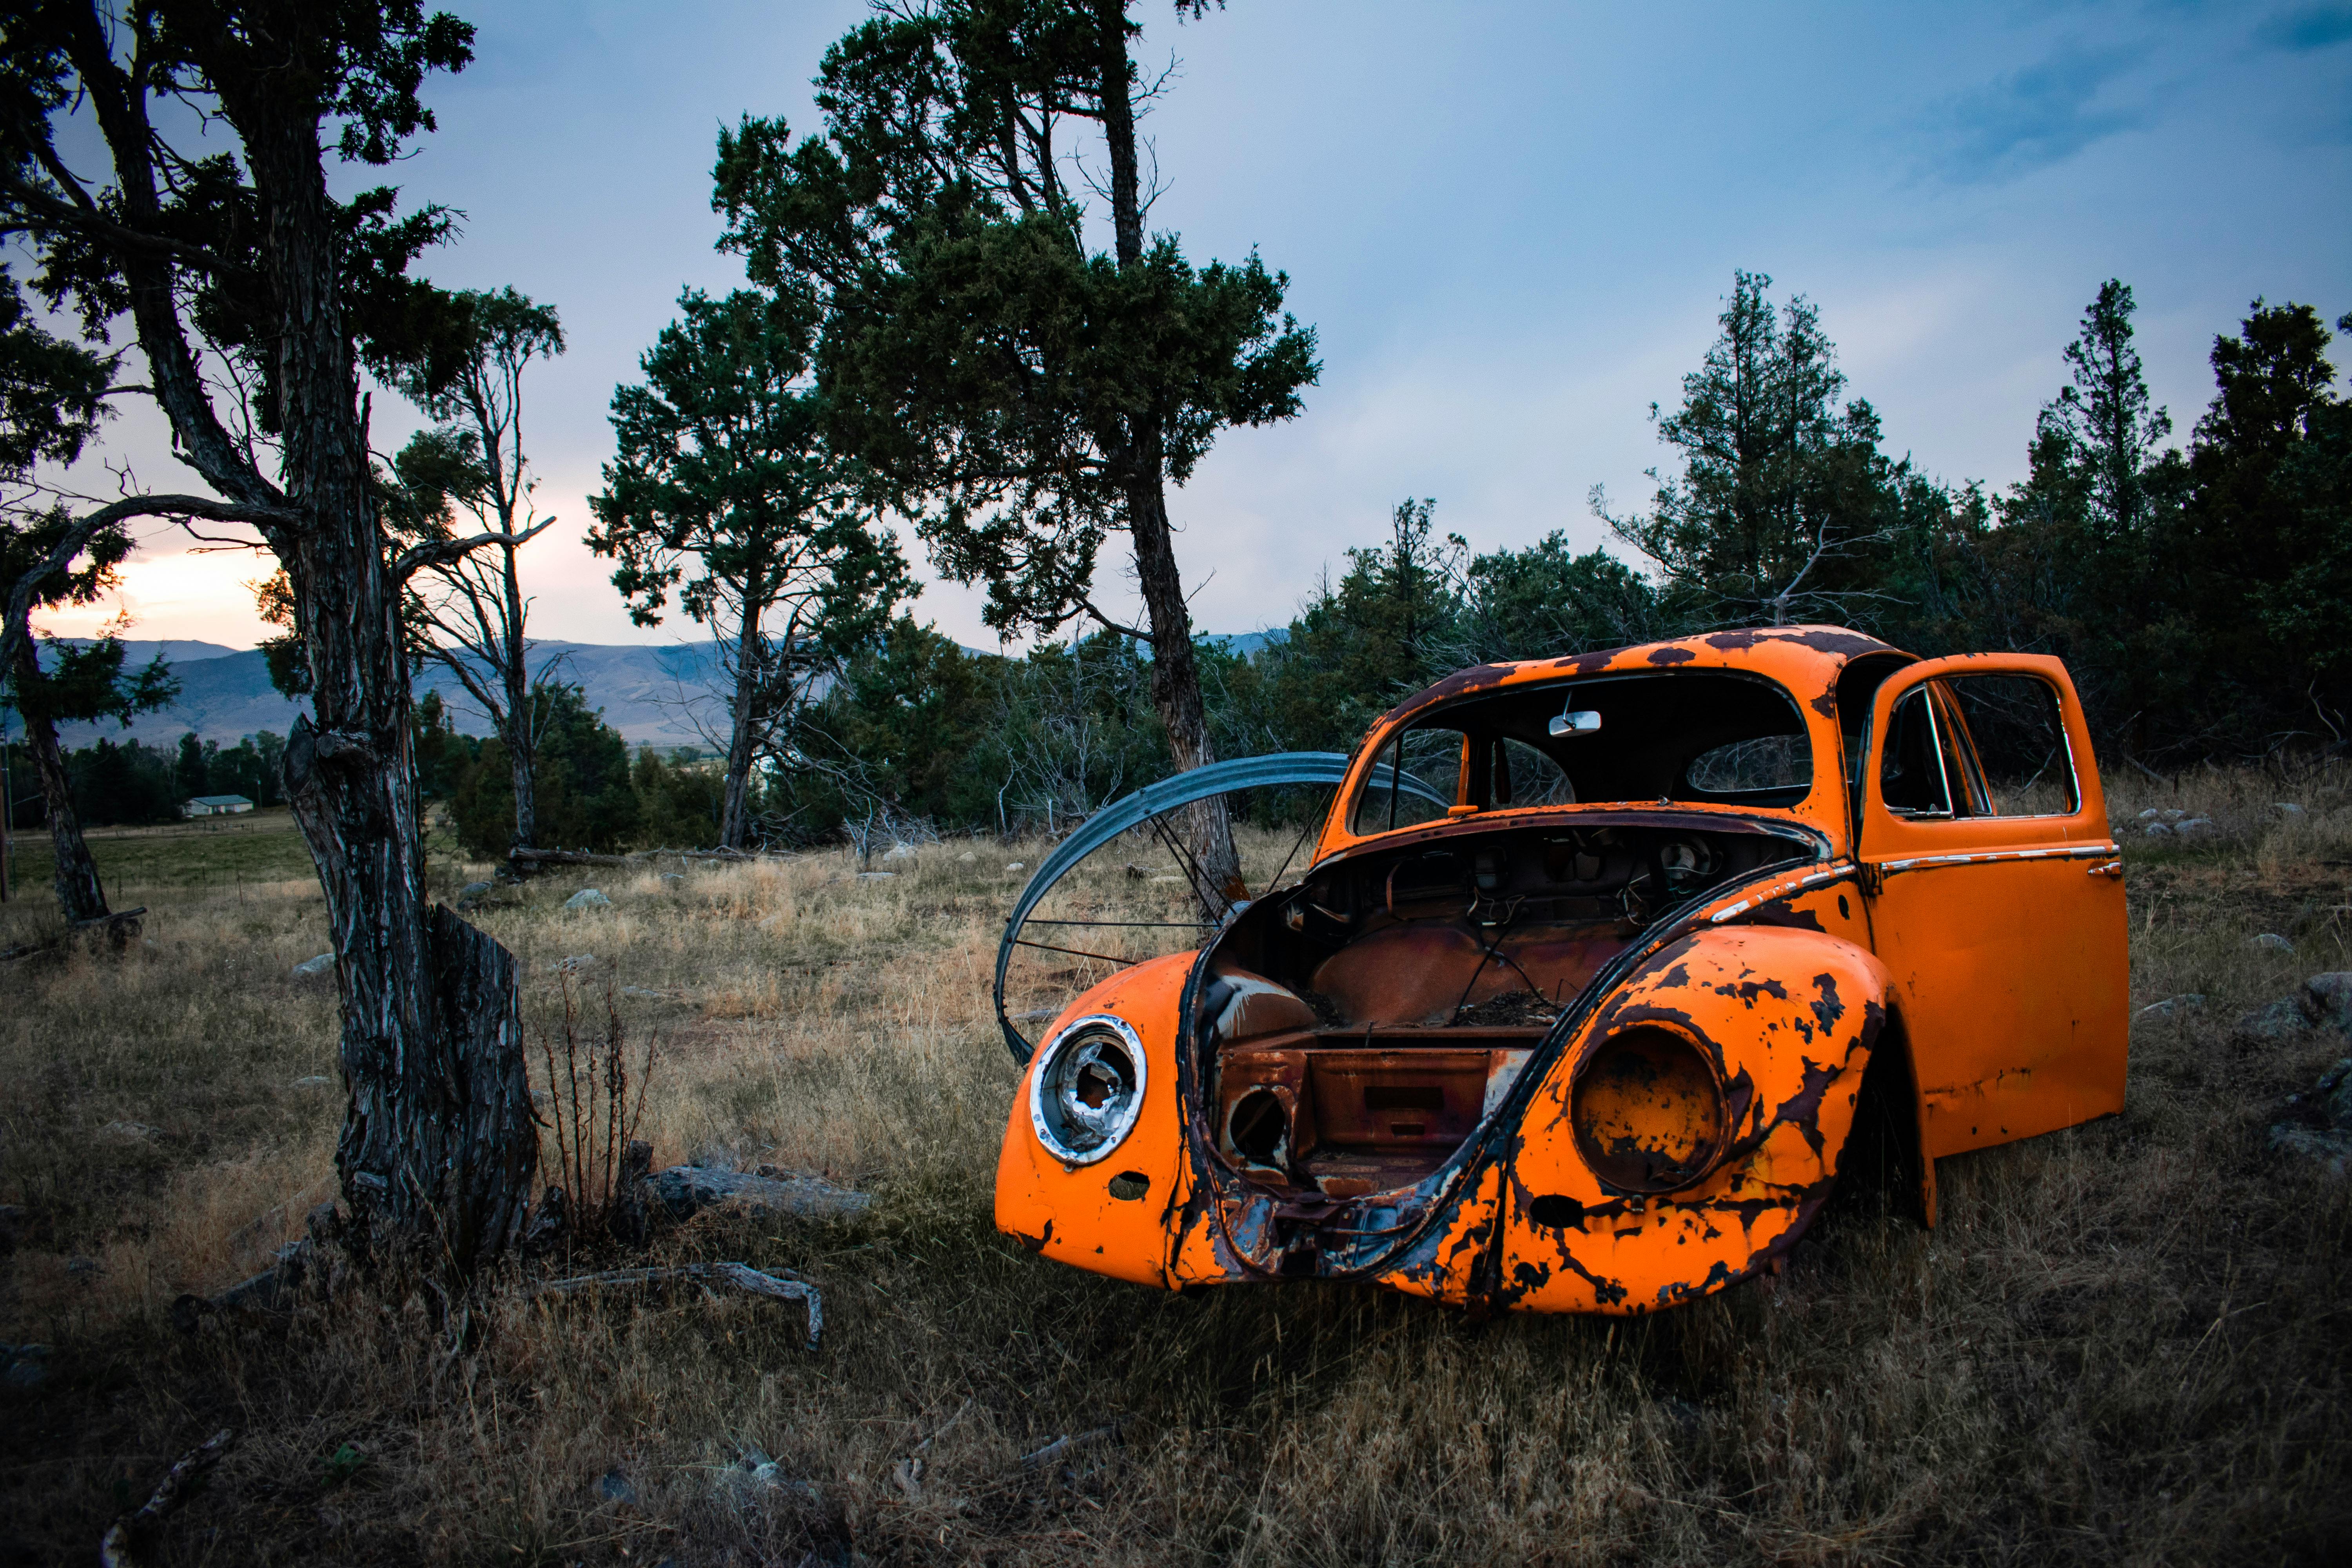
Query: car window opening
{"points": [[1700, 735]]}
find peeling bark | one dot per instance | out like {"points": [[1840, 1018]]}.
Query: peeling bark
{"points": [[438, 1135]]}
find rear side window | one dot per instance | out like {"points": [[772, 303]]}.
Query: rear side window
{"points": [[1429, 757], [1764, 763]]}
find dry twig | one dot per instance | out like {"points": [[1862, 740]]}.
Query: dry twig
{"points": [[743, 1276], [121, 1546]]}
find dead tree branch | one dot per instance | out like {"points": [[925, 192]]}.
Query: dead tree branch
{"points": [[121, 1547], [743, 1276]]}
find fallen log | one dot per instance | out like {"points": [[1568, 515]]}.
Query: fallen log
{"points": [[520, 858], [130, 1534], [685, 1190], [119, 929], [743, 1276]]}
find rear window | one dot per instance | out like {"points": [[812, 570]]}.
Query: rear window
{"points": [[1694, 735]]}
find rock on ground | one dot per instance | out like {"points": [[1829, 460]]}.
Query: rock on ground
{"points": [[2331, 1147], [2279, 1022], [2328, 1000], [684, 1189]]}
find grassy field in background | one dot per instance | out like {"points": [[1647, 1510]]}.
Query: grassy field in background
{"points": [[262, 846], [2126, 1343]]}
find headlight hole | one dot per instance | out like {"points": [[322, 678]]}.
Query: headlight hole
{"points": [[1088, 1090], [1647, 1112]]}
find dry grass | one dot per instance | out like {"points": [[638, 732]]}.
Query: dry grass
{"points": [[2127, 1343]]}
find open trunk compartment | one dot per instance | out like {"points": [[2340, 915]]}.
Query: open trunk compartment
{"points": [[1356, 1030]]}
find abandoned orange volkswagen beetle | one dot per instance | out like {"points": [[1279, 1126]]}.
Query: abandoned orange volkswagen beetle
{"points": [[1600, 970]]}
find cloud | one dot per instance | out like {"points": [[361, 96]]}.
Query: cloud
{"points": [[2312, 28], [2032, 118]]}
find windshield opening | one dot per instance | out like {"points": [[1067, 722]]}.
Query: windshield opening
{"points": [[1675, 735]]}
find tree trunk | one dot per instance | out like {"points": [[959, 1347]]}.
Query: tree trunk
{"points": [[523, 714], [735, 818], [438, 1139], [79, 896], [1175, 673]]}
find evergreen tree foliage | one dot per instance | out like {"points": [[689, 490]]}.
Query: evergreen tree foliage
{"points": [[679, 801], [726, 490], [1018, 392], [899, 728], [1777, 515], [586, 798], [128, 784]]}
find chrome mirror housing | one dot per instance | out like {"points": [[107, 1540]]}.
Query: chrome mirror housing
{"points": [[1576, 722]]}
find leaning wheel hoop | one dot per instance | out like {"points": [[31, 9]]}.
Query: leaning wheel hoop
{"points": [[1157, 800]]}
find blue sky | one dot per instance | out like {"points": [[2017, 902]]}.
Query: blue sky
{"points": [[1511, 225]]}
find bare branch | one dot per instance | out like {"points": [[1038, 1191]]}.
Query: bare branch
{"points": [[1140, 636], [441, 552], [77, 538]]}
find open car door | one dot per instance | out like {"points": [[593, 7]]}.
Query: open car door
{"points": [[1996, 896]]}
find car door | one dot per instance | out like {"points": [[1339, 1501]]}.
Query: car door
{"points": [[1995, 897]]}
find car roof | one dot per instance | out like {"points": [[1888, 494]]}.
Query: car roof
{"points": [[1805, 659]]}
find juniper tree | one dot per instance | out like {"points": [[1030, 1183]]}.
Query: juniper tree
{"points": [[254, 294], [1017, 391], [1777, 508], [725, 491]]}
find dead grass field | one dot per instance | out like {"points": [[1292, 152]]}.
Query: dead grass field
{"points": [[2126, 1343]]}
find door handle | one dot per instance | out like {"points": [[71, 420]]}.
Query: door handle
{"points": [[2108, 869]]}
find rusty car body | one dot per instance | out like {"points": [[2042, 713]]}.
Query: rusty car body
{"points": [[1600, 971]]}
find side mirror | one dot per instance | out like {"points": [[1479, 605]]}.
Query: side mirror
{"points": [[1580, 722]]}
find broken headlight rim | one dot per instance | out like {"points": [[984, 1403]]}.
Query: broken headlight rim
{"points": [[1647, 1110], [1086, 1093]]}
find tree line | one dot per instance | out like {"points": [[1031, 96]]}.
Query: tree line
{"points": [[2198, 594], [2189, 591], [127, 782]]}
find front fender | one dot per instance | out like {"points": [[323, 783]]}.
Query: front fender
{"points": [[1788, 1018], [1067, 1212]]}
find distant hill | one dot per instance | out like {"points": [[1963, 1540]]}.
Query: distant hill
{"points": [[650, 693], [136, 653], [1248, 643]]}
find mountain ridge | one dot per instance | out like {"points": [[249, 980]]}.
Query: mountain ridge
{"points": [[651, 692]]}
